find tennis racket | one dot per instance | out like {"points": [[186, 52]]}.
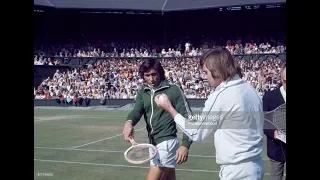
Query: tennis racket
{"points": [[277, 119], [140, 153]]}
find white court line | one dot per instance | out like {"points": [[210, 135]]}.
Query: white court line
{"points": [[103, 139], [117, 165], [87, 150], [72, 117], [117, 151], [126, 166], [55, 118]]}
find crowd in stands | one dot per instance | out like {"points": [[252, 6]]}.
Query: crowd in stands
{"points": [[119, 79], [152, 49], [45, 61]]}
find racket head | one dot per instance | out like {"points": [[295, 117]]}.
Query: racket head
{"points": [[277, 118], [140, 153]]}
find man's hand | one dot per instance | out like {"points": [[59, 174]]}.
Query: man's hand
{"points": [[163, 102], [127, 131], [182, 155], [276, 134]]}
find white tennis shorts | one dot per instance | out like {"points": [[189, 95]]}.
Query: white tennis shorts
{"points": [[166, 156], [252, 170]]}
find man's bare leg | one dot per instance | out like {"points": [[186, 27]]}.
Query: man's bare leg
{"points": [[161, 173]]}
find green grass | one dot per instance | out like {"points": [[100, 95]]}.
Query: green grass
{"points": [[98, 147]]}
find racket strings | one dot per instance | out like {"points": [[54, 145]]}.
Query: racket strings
{"points": [[279, 118], [140, 153]]}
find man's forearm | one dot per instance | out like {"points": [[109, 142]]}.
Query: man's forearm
{"points": [[173, 114], [172, 111], [133, 117], [186, 141], [195, 133]]}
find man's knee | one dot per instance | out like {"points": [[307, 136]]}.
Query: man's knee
{"points": [[161, 173], [167, 173]]}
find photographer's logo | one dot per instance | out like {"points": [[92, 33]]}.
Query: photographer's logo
{"points": [[45, 174], [199, 119]]}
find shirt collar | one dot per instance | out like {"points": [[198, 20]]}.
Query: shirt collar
{"points": [[235, 80], [160, 84], [283, 93]]}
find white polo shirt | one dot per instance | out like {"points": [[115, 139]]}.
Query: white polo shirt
{"points": [[236, 120]]}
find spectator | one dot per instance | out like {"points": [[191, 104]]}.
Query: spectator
{"points": [[146, 49], [119, 79]]}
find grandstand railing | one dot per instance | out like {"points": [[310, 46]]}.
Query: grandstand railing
{"points": [[196, 103], [82, 61]]}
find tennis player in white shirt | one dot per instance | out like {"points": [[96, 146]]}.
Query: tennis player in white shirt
{"points": [[233, 114]]}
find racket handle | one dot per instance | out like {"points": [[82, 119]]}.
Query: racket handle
{"points": [[132, 141]]}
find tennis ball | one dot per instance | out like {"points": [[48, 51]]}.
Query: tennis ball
{"points": [[161, 97]]}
